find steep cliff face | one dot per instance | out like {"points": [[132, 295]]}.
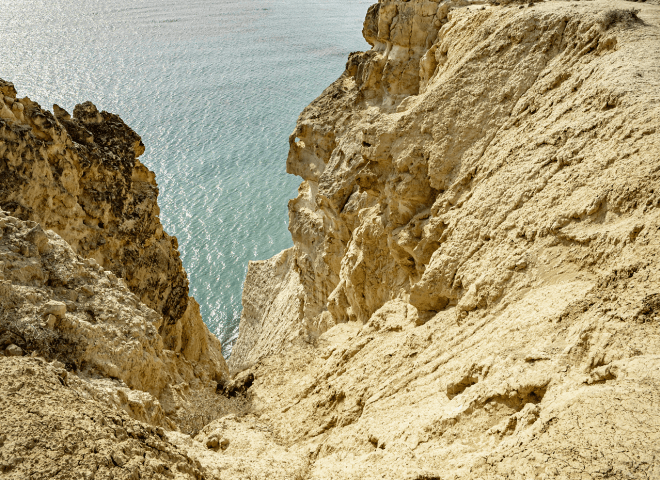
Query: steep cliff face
{"points": [[56, 305], [80, 176], [473, 291], [508, 138], [473, 288]]}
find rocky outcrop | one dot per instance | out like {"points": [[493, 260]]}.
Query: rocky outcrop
{"points": [[90, 278], [58, 306], [472, 291], [420, 197], [80, 176]]}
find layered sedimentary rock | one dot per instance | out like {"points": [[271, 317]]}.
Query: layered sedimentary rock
{"points": [[473, 290], [80, 176]]}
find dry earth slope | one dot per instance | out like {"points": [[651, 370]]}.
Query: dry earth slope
{"points": [[474, 287]]}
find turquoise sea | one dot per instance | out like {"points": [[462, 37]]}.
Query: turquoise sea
{"points": [[214, 88]]}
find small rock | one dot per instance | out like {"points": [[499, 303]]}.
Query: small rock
{"points": [[38, 237], [214, 442], [119, 458], [240, 385], [521, 264], [68, 294], [70, 306], [54, 307], [14, 351], [535, 356], [87, 290], [50, 321]]}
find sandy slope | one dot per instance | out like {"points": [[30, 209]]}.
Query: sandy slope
{"points": [[474, 290]]}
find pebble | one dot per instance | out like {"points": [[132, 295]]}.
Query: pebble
{"points": [[14, 351], [50, 321], [53, 307], [87, 290]]}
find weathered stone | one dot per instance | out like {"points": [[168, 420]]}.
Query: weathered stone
{"points": [[53, 307], [13, 351], [475, 259], [87, 290], [51, 320], [104, 204], [474, 277], [107, 334]]}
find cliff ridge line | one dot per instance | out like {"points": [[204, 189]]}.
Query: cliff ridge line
{"points": [[472, 290]]}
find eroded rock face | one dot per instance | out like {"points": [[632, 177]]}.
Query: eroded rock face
{"points": [[61, 307], [68, 434], [80, 176], [447, 198], [472, 291]]}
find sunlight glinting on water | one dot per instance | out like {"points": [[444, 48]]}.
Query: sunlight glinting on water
{"points": [[214, 89]]}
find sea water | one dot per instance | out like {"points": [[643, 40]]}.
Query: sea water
{"points": [[214, 88]]}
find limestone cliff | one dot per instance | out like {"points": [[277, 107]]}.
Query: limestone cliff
{"points": [[80, 176], [77, 181], [473, 290], [64, 308], [82, 355]]}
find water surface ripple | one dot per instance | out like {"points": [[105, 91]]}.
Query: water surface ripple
{"points": [[214, 88]]}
